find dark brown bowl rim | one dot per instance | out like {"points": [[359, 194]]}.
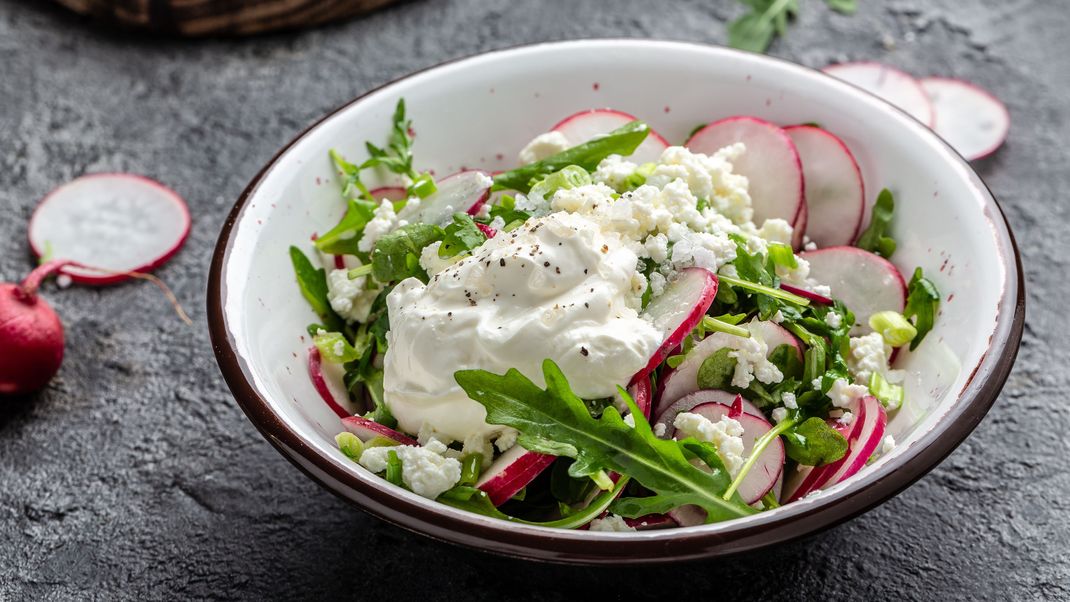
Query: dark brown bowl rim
{"points": [[975, 399]]}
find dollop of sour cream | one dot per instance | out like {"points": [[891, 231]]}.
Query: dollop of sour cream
{"points": [[559, 287]]}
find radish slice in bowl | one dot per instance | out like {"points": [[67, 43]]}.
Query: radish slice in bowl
{"points": [[367, 430], [865, 282], [325, 386], [701, 397], [116, 222], [464, 192], [771, 164], [835, 195], [511, 472], [973, 121], [888, 83], [587, 125], [679, 309]]}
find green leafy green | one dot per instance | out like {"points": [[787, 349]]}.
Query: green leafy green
{"points": [[313, 284], [555, 421], [814, 442], [621, 141], [783, 256], [476, 500], [334, 348], [716, 371], [847, 7], [874, 238], [567, 178], [397, 156], [397, 255], [343, 238], [755, 30], [923, 301], [352, 186], [460, 236]]}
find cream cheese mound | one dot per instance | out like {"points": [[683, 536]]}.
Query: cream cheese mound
{"points": [[424, 469], [543, 146], [559, 287], [726, 435]]}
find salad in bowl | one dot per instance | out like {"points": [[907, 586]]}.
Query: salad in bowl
{"points": [[620, 333]]}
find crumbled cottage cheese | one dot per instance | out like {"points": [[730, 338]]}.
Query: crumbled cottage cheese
{"points": [[709, 177], [834, 320], [726, 435], [789, 401], [751, 361], [869, 355], [349, 298], [424, 470], [611, 523], [779, 414], [384, 222], [843, 393], [543, 146], [614, 171]]}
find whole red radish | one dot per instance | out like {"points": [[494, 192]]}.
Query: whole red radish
{"points": [[31, 335]]}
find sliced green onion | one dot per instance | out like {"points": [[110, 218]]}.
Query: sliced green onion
{"points": [[350, 444], [359, 271], [673, 361], [471, 466], [423, 186], [783, 256], [334, 348], [754, 287], [393, 467], [380, 441], [894, 328], [769, 500], [603, 481], [890, 395], [714, 325]]}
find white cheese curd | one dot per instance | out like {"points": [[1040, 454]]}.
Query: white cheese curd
{"points": [[431, 262], [726, 435], [751, 361], [833, 319], [614, 171], [843, 393], [887, 444], [349, 298], [869, 355], [709, 177], [779, 414], [611, 523], [557, 287], [789, 401], [384, 222], [543, 146], [424, 470]]}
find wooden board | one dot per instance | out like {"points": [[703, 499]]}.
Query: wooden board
{"points": [[220, 17]]}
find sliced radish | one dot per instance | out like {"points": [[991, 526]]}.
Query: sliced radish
{"points": [[511, 472], [684, 379], [679, 309], [865, 282], [487, 230], [464, 191], [700, 397], [587, 125], [888, 83], [641, 393], [805, 479], [771, 164], [390, 193], [764, 474], [835, 196], [651, 522], [806, 294], [327, 388], [367, 430], [116, 222], [973, 121]]}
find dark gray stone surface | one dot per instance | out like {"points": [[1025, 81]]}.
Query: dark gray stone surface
{"points": [[135, 475]]}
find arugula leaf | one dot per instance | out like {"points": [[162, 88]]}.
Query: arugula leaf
{"points": [[621, 141], [923, 301], [313, 284], [476, 500], [873, 238], [397, 255], [461, 236], [716, 370], [755, 30], [343, 238], [814, 443], [555, 421], [352, 186]]}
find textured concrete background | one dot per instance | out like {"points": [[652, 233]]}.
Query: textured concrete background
{"points": [[135, 475]]}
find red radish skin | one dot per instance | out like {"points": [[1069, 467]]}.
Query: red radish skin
{"points": [[586, 125], [771, 164], [973, 121], [511, 472], [684, 379], [487, 230], [390, 193], [805, 294], [864, 281], [315, 372], [816, 478], [679, 309], [894, 86], [169, 210], [31, 336], [835, 194], [651, 522], [803, 479], [686, 403], [871, 425], [366, 430]]}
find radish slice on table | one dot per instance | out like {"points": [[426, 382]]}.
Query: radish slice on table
{"points": [[771, 164], [888, 83], [587, 125], [390, 193], [678, 310], [684, 379], [701, 397], [973, 121], [367, 430], [865, 282], [835, 196], [116, 222], [464, 192], [511, 472]]}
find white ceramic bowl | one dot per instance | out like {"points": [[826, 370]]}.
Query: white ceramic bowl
{"points": [[478, 112]]}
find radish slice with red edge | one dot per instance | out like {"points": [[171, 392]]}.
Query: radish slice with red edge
{"points": [[684, 379], [835, 194], [463, 192], [703, 396], [865, 282], [511, 472], [888, 83], [390, 193], [486, 230], [771, 164], [587, 125], [117, 222], [973, 121], [806, 294], [678, 310], [329, 396], [651, 522], [641, 393], [805, 479], [366, 430]]}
